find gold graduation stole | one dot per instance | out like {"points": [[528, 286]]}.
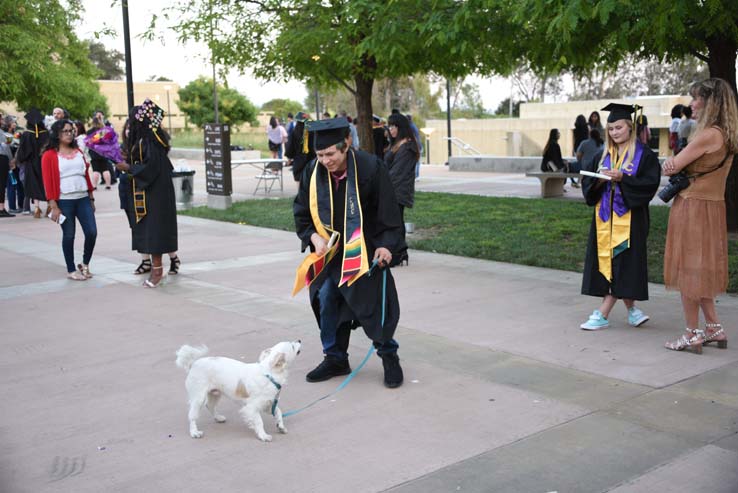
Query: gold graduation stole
{"points": [[612, 217], [139, 196], [355, 263]]}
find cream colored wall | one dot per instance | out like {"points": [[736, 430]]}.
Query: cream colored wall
{"points": [[115, 92], [526, 136]]}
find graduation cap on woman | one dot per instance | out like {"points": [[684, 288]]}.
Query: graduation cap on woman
{"points": [[619, 111], [328, 132]]}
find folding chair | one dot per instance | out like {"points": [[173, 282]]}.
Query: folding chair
{"points": [[272, 172]]}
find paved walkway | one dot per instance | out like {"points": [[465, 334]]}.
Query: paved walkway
{"points": [[503, 392]]}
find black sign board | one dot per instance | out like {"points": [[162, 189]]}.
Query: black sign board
{"points": [[218, 159]]}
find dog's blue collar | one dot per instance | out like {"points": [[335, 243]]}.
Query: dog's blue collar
{"points": [[276, 397]]}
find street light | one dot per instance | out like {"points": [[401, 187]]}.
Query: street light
{"points": [[167, 88]]}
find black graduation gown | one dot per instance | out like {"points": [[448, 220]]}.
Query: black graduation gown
{"points": [[293, 151], [401, 166], [629, 268], [382, 228], [29, 155], [156, 233]]}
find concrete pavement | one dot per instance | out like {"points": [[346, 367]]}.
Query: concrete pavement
{"points": [[502, 391]]}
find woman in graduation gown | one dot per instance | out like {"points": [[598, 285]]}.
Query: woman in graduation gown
{"points": [[155, 227], [616, 263], [32, 141]]}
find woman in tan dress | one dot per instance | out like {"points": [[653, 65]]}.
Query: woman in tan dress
{"points": [[696, 256]]}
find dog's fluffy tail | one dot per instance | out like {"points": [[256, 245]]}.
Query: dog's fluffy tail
{"points": [[186, 355]]}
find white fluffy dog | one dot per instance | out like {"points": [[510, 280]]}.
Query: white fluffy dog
{"points": [[255, 385]]}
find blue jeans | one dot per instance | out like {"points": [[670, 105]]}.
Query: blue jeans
{"points": [[331, 299], [15, 190], [79, 209]]}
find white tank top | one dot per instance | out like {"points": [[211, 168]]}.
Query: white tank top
{"points": [[72, 182]]}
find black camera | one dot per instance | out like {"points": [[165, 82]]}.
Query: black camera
{"points": [[676, 184]]}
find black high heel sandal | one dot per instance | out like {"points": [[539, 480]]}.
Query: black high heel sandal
{"points": [[405, 258], [174, 264], [143, 268]]}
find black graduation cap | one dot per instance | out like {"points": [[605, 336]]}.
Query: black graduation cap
{"points": [[328, 132], [34, 117], [620, 111]]}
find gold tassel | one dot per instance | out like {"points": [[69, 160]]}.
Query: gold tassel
{"points": [[305, 140]]}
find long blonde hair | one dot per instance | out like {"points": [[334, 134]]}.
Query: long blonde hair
{"points": [[611, 148], [720, 110]]}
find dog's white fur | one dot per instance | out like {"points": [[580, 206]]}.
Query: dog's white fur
{"points": [[210, 377]]}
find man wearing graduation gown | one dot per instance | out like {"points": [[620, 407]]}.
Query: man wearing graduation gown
{"points": [[347, 195], [29, 155], [300, 147], [616, 262]]}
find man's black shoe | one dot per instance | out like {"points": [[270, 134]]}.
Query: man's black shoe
{"points": [[392, 370], [329, 368]]}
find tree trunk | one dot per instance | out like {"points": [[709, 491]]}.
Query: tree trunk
{"points": [[722, 58], [364, 112]]}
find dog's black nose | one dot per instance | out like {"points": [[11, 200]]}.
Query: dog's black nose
{"points": [[299, 341]]}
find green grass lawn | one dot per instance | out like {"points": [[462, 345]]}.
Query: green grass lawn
{"points": [[538, 232]]}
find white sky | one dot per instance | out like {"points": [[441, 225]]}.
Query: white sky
{"points": [[184, 63]]}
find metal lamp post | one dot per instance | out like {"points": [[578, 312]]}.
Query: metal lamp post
{"points": [[169, 113]]}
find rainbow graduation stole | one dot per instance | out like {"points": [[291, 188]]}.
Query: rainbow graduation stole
{"points": [[613, 230], [355, 262]]}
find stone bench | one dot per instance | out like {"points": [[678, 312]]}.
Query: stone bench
{"points": [[552, 183]]}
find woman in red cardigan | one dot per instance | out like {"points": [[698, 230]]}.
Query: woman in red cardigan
{"points": [[69, 192]]}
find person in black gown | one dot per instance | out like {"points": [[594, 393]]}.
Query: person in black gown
{"points": [[616, 262], [32, 141], [150, 170], [297, 150]]}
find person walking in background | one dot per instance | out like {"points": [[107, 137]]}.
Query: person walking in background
{"points": [[418, 140], [686, 126], [352, 129], [300, 147], [401, 158], [676, 119], [154, 208], [12, 178], [69, 192], [595, 123], [5, 158], [32, 141], [643, 133], [379, 134], [590, 149], [276, 135], [97, 137], [581, 131], [696, 251], [290, 124], [616, 262]]}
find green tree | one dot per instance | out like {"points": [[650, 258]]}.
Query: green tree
{"points": [[349, 43], [280, 108], [575, 35], [503, 109], [196, 101], [107, 61], [43, 62]]}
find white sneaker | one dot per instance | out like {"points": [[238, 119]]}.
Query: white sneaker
{"points": [[596, 322]]}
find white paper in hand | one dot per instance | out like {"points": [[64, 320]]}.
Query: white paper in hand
{"points": [[61, 219], [596, 175]]}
